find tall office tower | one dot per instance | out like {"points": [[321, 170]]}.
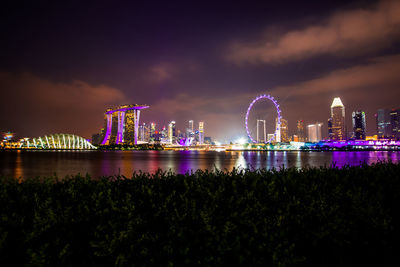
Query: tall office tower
{"points": [[201, 132], [191, 125], [338, 120], [142, 132], [147, 133], [359, 126], [261, 138], [277, 131], [383, 123], [330, 131], [152, 130], [190, 130], [395, 123], [164, 133], [314, 132], [171, 132], [284, 131], [301, 131]]}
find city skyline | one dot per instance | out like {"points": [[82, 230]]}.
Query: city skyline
{"points": [[58, 73]]}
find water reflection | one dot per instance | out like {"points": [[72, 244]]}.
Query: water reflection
{"points": [[108, 163], [19, 171]]}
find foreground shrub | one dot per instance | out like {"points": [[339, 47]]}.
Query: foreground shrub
{"points": [[288, 217]]}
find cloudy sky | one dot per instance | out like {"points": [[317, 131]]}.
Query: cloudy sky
{"points": [[62, 63]]}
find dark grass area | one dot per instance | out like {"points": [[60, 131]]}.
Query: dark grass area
{"points": [[307, 217]]}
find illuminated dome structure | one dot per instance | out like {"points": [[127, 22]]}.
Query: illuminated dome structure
{"points": [[57, 141]]}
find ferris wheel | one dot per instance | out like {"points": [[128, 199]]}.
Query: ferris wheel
{"points": [[278, 124]]}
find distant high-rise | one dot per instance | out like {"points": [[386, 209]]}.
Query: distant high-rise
{"points": [[201, 132], [314, 132], [338, 120], [383, 123], [171, 132], [301, 131], [190, 130], [261, 138], [284, 131], [330, 132], [191, 125], [278, 136], [142, 132], [359, 126], [152, 131], [395, 123]]}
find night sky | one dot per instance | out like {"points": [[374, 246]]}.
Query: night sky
{"points": [[62, 63]]}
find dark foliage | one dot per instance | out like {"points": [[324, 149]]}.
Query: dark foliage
{"points": [[288, 217]]}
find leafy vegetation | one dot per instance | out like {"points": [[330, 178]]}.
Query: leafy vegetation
{"points": [[288, 217]]}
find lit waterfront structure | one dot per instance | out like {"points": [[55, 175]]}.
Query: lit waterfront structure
{"points": [[284, 131], [361, 144], [359, 125], [314, 132], [264, 132], [171, 132], [338, 120], [383, 123], [122, 124], [57, 141], [395, 123], [201, 132], [301, 131]]}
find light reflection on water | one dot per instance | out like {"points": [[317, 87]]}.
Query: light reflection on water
{"points": [[29, 164]]}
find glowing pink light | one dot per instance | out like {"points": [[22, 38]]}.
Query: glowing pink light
{"points": [[251, 106]]}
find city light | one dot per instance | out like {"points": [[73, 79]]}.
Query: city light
{"points": [[278, 117], [241, 141]]}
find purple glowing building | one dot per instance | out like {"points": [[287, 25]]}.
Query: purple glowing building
{"points": [[122, 124]]}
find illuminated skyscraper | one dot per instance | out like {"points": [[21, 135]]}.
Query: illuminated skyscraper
{"points": [[191, 125], [190, 130], [171, 132], [142, 130], [201, 132], [301, 131], [152, 131], [338, 120], [278, 131], [284, 131], [314, 132], [261, 138], [359, 126], [383, 123], [395, 123], [330, 132]]}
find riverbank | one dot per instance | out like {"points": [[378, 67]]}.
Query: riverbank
{"points": [[305, 217]]}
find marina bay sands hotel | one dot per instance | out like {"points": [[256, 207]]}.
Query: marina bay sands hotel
{"points": [[122, 124]]}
